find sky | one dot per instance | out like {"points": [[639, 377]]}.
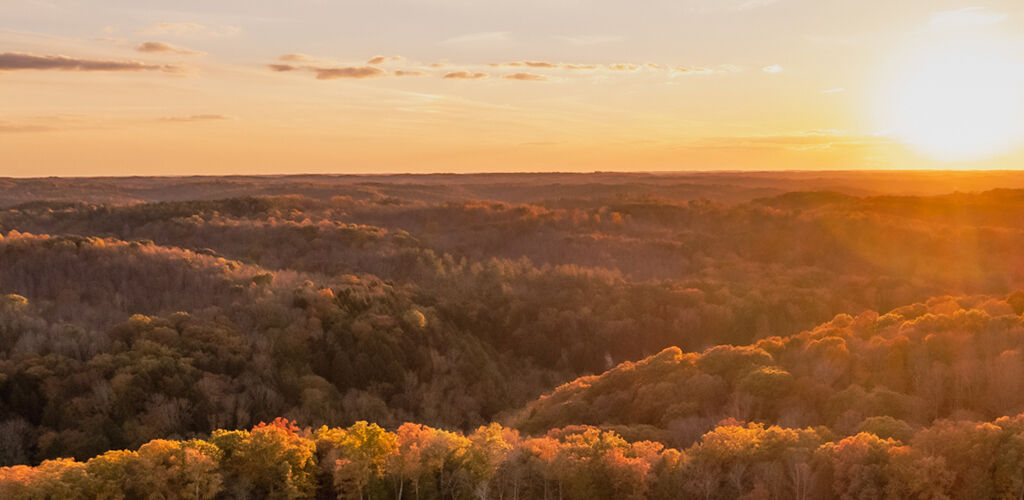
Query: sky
{"points": [[155, 87]]}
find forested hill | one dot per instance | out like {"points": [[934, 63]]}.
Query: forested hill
{"points": [[891, 406], [890, 374], [109, 344], [141, 317], [729, 187]]}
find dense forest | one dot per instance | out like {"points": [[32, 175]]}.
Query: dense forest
{"points": [[511, 337]]}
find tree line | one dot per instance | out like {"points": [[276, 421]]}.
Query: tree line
{"points": [[950, 459]]}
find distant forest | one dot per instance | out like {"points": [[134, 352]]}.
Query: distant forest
{"points": [[555, 336]]}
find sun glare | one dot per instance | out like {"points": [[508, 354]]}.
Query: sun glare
{"points": [[958, 104]]}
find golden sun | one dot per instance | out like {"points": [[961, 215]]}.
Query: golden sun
{"points": [[958, 104]]}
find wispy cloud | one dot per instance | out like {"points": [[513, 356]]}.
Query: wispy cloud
{"points": [[195, 118], [808, 140], [464, 75], [13, 61], [348, 72], [968, 17], [295, 58], [585, 40], [191, 29], [282, 67], [531, 64], [530, 77], [165, 48], [384, 59], [774, 68], [487, 36], [613, 67], [17, 128], [692, 70], [754, 4], [544, 65], [44, 123], [328, 71], [544, 70]]}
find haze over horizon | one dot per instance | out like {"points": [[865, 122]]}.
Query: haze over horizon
{"points": [[113, 87]]}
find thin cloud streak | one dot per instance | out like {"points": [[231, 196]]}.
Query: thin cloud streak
{"points": [[14, 61], [191, 30], [165, 48], [464, 75], [196, 118], [530, 77], [348, 72], [968, 17], [384, 59], [488, 36], [585, 40], [809, 140]]}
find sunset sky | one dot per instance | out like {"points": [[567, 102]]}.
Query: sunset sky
{"points": [[155, 87]]}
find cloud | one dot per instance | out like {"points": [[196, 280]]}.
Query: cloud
{"points": [[691, 70], [464, 75], [13, 61], [195, 118], [809, 140], [295, 58], [333, 73], [384, 59], [544, 64], [347, 72], [374, 68], [754, 4], [530, 77], [834, 91], [488, 36], [161, 47], [531, 64], [16, 128], [967, 17], [191, 29], [728, 6], [589, 39], [616, 67], [43, 123], [775, 68]]}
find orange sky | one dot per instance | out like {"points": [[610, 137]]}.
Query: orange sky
{"points": [[157, 87]]}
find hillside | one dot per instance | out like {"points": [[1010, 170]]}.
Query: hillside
{"points": [[949, 358], [110, 344], [546, 342]]}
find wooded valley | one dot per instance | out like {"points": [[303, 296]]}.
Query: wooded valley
{"points": [[513, 336]]}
